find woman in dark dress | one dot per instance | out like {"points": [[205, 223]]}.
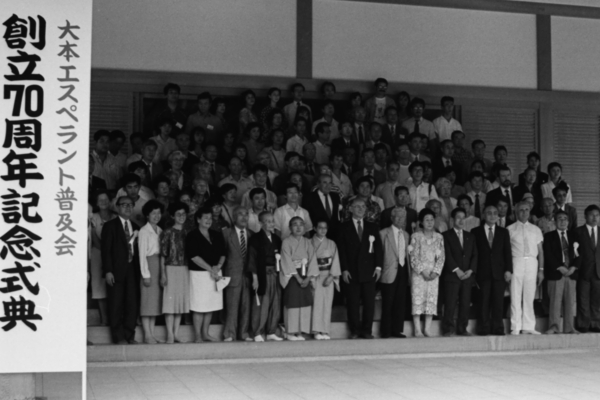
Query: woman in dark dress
{"points": [[205, 255]]}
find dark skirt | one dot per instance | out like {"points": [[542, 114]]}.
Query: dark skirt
{"points": [[295, 296]]}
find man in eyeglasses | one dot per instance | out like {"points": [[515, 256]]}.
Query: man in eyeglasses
{"points": [[120, 264]]}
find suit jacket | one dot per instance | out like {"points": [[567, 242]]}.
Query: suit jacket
{"points": [[391, 260], [553, 255], [339, 144], [493, 196], [536, 191], [354, 253], [542, 178], [393, 138], [114, 251], [378, 176], [313, 204], [261, 254], [589, 263], [462, 257], [572, 212], [235, 265], [411, 217], [492, 262], [438, 166], [157, 171]]}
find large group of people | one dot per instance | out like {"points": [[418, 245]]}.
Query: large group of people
{"points": [[266, 215]]}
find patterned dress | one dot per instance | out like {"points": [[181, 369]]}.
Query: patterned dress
{"points": [[425, 255]]}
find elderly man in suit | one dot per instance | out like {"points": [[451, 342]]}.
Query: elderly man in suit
{"points": [[588, 282], [361, 258], [120, 264], [324, 205], [560, 269], [494, 271], [394, 276], [528, 270], [238, 292], [457, 275]]}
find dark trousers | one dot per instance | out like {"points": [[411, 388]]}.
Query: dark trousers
{"points": [[456, 293], [265, 317], [123, 305], [492, 303], [588, 304], [354, 293], [393, 300], [237, 308]]}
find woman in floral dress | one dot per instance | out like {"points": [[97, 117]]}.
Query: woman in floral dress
{"points": [[427, 256]]}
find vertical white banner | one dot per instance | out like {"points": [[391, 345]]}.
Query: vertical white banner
{"points": [[45, 62]]}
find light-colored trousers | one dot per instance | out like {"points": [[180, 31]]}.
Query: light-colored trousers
{"points": [[562, 301], [522, 294], [321, 317]]}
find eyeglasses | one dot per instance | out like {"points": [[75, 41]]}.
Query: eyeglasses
{"points": [[126, 205]]}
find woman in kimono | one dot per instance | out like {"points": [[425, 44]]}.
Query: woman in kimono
{"points": [[427, 258], [298, 270], [329, 276]]}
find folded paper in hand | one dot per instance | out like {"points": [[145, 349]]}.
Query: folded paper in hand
{"points": [[222, 283]]}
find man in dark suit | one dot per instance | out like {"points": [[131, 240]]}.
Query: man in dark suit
{"points": [[494, 271], [402, 201], [560, 194], [392, 132], [505, 189], [440, 163], [533, 162], [120, 265], [217, 171], [323, 205], [560, 271], [238, 292], [531, 186], [155, 169], [361, 259], [457, 276], [346, 139], [504, 218], [368, 169], [588, 282]]}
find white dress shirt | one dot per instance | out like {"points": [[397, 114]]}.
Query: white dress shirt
{"points": [[285, 213], [595, 229], [444, 128], [524, 239], [148, 245], [400, 245]]}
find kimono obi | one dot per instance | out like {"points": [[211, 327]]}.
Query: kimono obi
{"points": [[324, 263]]}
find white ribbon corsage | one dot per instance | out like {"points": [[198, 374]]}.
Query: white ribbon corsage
{"points": [[410, 248], [575, 247], [277, 261], [371, 240], [304, 262], [133, 237]]}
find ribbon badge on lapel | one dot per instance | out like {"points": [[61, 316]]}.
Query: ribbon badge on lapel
{"points": [[277, 260], [371, 240], [575, 247]]}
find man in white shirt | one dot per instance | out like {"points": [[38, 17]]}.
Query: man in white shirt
{"points": [[385, 191], [258, 198], [106, 166], [291, 109], [260, 175], [291, 209], [415, 144], [404, 160], [420, 192], [526, 242], [328, 112], [444, 125], [242, 183], [418, 124]]}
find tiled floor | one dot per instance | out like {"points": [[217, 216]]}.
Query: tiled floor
{"points": [[531, 376]]}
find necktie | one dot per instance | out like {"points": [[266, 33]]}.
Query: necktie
{"points": [[594, 238], [243, 244], [213, 174], [361, 138], [309, 168], [477, 207], [491, 237], [416, 129], [460, 238], [360, 230], [393, 129], [508, 196], [447, 163], [128, 237], [327, 206], [525, 242], [565, 248]]}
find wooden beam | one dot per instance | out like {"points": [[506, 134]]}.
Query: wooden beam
{"points": [[304, 38], [544, 51], [518, 7]]}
